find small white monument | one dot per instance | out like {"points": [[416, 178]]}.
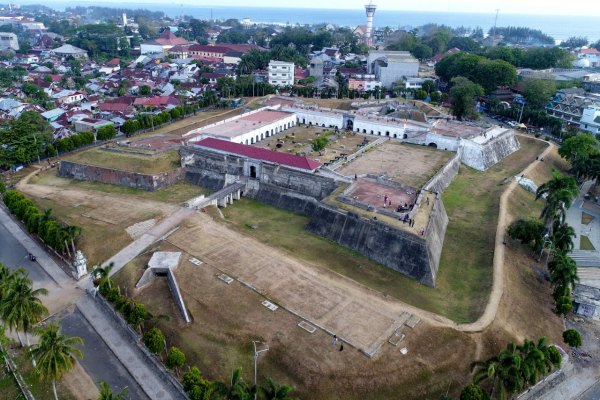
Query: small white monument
{"points": [[80, 264]]}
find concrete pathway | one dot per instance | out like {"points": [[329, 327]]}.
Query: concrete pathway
{"points": [[64, 292]]}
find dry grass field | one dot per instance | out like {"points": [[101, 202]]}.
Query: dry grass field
{"points": [[411, 165], [127, 162]]}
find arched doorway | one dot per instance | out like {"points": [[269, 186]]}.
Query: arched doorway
{"points": [[350, 125], [434, 145]]}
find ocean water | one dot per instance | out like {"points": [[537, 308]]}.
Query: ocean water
{"points": [[559, 27]]}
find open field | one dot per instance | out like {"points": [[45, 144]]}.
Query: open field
{"points": [[127, 162], [298, 140], [174, 194], [103, 217], [227, 317], [409, 164]]}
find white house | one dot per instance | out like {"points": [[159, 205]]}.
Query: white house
{"points": [[68, 96], [590, 119], [588, 58], [391, 66], [281, 73]]}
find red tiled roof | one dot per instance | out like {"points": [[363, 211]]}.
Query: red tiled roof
{"points": [[589, 51], [113, 62], [259, 153], [169, 39]]}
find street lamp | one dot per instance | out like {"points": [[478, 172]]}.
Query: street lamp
{"points": [[547, 241], [256, 353]]}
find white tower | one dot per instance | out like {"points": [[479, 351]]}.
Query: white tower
{"points": [[370, 10], [124, 19]]}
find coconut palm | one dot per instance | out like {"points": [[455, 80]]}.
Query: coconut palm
{"points": [[563, 271], [55, 354], [505, 369], [562, 236], [536, 361], [559, 192], [21, 306], [107, 394], [236, 390], [271, 391]]}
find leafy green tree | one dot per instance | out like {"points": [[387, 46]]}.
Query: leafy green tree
{"points": [[473, 392], [130, 127], [463, 97], [196, 386], [106, 133], [464, 44], [563, 270], [154, 340], [572, 337], [21, 306], [529, 232], [107, 394], [145, 90], [175, 358], [422, 51], [538, 92], [574, 42], [319, 143], [582, 145], [55, 354]]}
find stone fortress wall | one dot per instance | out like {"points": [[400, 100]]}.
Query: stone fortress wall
{"points": [[84, 172], [408, 253]]}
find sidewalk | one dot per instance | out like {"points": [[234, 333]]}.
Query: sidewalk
{"points": [[154, 385]]}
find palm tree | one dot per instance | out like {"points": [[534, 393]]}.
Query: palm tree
{"points": [[107, 394], [236, 390], [536, 362], [562, 237], [559, 193], [271, 391], [21, 306], [55, 354], [505, 369], [563, 271]]}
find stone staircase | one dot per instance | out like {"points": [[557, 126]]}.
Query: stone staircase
{"points": [[589, 276], [586, 258]]}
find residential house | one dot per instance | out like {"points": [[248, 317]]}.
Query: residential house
{"points": [[363, 82], [90, 124], [568, 104], [69, 96], [588, 58], [165, 42]]}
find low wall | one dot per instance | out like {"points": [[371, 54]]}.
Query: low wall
{"points": [[84, 172], [177, 295]]}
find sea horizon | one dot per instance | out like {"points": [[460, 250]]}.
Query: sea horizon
{"points": [[560, 27]]}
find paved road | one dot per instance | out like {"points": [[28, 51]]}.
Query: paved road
{"points": [[13, 255], [118, 353], [99, 361]]}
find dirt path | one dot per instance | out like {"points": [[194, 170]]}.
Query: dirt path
{"points": [[498, 278]]}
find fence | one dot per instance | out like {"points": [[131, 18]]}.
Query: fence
{"points": [[10, 364]]}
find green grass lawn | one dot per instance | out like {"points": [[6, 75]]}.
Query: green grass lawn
{"points": [[465, 272], [127, 162]]}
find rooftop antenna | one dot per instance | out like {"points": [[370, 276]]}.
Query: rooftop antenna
{"points": [[495, 23]]}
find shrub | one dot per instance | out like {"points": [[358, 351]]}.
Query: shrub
{"points": [[473, 392], [106, 133], [2, 187], [554, 356], [529, 232], [154, 340], [194, 383], [572, 338], [547, 138], [112, 295], [175, 358], [319, 143]]}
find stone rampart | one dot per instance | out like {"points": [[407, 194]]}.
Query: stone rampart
{"points": [[483, 156], [84, 172]]}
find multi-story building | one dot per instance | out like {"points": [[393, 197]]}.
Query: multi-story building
{"points": [[363, 82], [281, 73], [9, 40], [568, 104], [392, 66]]}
